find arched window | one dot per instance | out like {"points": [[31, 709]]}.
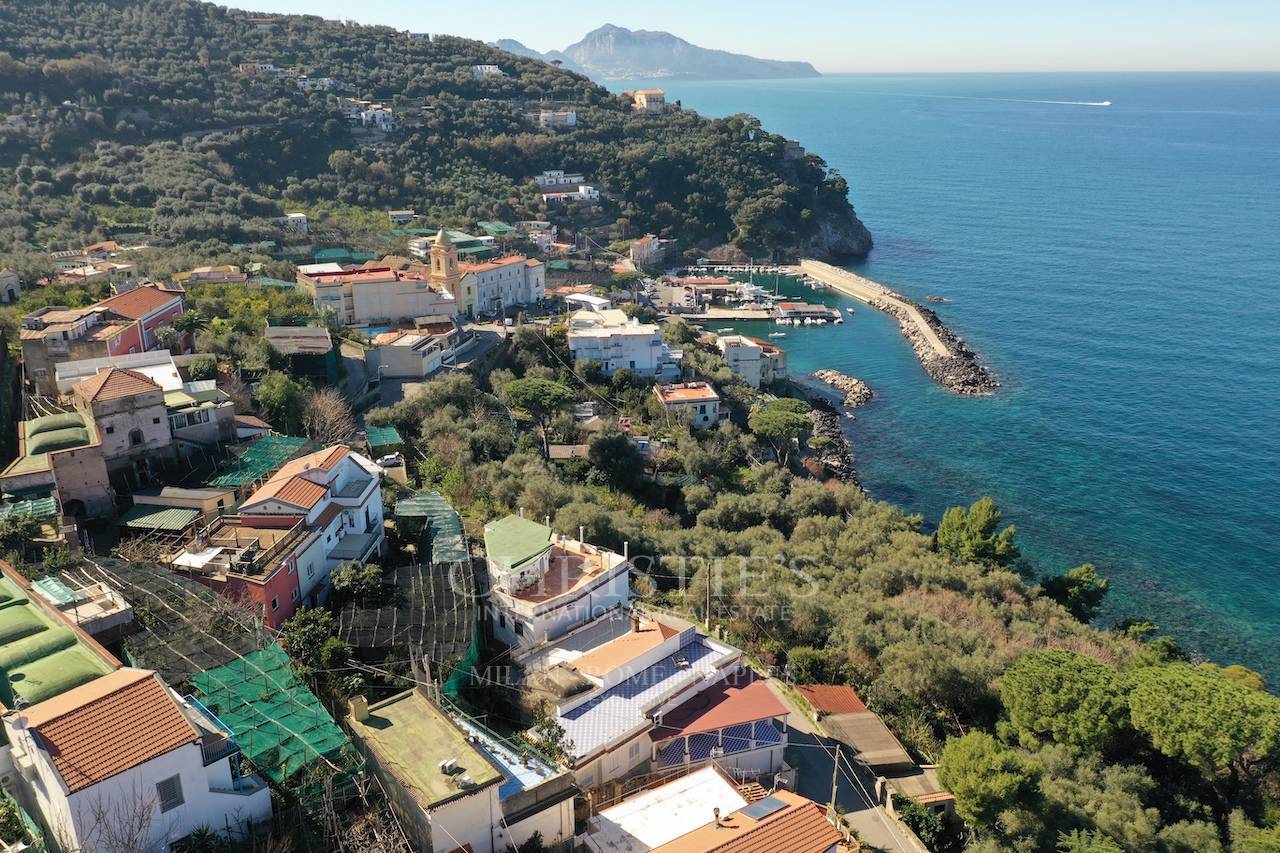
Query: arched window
{"points": [[135, 438]]}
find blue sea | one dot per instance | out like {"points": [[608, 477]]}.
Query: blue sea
{"points": [[1119, 268]]}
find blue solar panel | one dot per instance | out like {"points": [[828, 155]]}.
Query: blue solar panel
{"points": [[763, 808]]}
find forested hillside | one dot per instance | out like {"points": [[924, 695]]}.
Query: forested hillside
{"points": [[134, 112]]}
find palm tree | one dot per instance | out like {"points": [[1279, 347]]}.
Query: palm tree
{"points": [[190, 322], [167, 336]]}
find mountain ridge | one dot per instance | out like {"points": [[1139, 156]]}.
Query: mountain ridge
{"points": [[611, 52]]}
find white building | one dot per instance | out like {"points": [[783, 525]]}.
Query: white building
{"points": [[696, 400], [454, 784], [543, 585], [296, 221], [555, 178], [660, 697], [557, 118], [617, 341], [706, 811], [379, 117], [374, 294], [10, 287], [316, 84], [505, 282], [480, 72], [584, 193], [410, 355], [104, 756], [336, 494]]}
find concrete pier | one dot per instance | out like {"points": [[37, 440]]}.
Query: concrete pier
{"points": [[943, 354]]}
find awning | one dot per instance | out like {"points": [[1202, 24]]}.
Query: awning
{"points": [[169, 519]]}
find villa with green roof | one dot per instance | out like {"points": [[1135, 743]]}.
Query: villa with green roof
{"points": [[543, 584]]}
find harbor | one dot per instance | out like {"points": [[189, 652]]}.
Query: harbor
{"points": [[942, 353]]}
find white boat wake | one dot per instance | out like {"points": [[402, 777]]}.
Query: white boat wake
{"points": [[982, 98]]}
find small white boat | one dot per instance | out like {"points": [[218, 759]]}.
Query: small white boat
{"points": [[839, 321], [777, 334], [725, 329], [808, 321], [820, 322], [850, 310]]}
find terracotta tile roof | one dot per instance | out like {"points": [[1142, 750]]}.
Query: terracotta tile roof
{"points": [[800, 826], [109, 725], [624, 649], [492, 265], [325, 460], [832, 698], [738, 699], [113, 383], [332, 511], [298, 491], [139, 302]]}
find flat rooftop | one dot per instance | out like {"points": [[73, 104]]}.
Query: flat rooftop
{"points": [[409, 736], [663, 814], [690, 392]]}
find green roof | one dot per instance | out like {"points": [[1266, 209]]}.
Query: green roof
{"points": [[514, 542], [167, 518], [40, 656], [387, 436], [494, 228], [263, 457], [443, 528], [278, 723], [558, 265], [39, 507], [268, 281], [410, 737], [48, 434]]}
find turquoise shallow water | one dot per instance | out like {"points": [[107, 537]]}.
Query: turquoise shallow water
{"points": [[1118, 267]]}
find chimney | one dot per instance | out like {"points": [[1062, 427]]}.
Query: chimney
{"points": [[626, 548], [359, 708], [582, 533], [546, 521], [635, 619], [522, 512], [716, 811]]}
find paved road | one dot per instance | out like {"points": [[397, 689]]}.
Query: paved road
{"points": [[866, 290], [813, 756]]}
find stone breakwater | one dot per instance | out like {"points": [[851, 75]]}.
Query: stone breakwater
{"points": [[942, 353], [856, 392]]}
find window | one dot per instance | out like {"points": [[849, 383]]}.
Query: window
{"points": [[635, 749], [169, 792], [155, 420], [502, 619], [275, 605], [310, 571], [294, 595], [135, 438], [111, 430], [519, 628]]}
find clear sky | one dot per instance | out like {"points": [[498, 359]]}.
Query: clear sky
{"points": [[879, 36]]}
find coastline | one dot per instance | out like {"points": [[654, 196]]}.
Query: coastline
{"points": [[829, 420], [942, 353]]}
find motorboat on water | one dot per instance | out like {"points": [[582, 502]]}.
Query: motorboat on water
{"points": [[850, 310], [777, 334]]}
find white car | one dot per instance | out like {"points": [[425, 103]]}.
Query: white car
{"points": [[391, 460]]}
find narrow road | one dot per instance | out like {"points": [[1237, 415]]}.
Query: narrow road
{"points": [[813, 756], [866, 290]]}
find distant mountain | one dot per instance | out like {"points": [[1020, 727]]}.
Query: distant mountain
{"points": [[616, 53]]}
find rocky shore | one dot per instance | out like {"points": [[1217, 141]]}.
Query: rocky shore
{"points": [[835, 455], [856, 392]]}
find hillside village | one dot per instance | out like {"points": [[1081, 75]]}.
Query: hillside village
{"points": [[335, 523]]}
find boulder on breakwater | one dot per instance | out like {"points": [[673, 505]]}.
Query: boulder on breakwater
{"points": [[856, 392]]}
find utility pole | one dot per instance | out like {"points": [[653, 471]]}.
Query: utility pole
{"points": [[835, 768]]}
